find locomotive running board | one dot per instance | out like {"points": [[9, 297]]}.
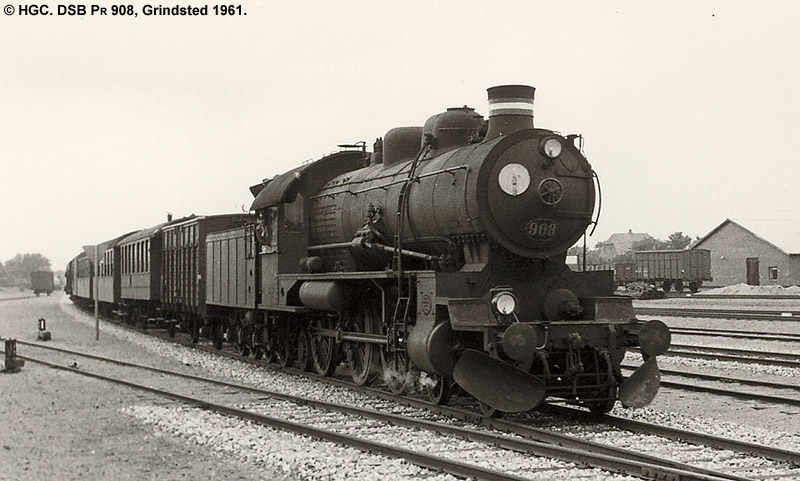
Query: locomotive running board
{"points": [[641, 387], [498, 384]]}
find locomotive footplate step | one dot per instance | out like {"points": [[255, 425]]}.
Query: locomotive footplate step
{"points": [[497, 383]]}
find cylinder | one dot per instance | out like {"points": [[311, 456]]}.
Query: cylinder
{"points": [[323, 295]]}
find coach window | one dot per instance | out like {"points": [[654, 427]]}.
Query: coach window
{"points": [[773, 273], [293, 215]]}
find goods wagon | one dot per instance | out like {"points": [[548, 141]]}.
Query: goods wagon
{"points": [[666, 268], [42, 282], [183, 286], [674, 268], [231, 291]]}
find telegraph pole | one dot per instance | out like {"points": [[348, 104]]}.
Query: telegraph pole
{"points": [[96, 296]]}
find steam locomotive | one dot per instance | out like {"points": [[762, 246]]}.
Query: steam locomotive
{"points": [[437, 257]]}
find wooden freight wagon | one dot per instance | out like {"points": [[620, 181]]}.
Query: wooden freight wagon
{"points": [[231, 291], [230, 267], [183, 272], [674, 268]]}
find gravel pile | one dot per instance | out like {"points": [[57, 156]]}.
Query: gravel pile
{"points": [[748, 290]]}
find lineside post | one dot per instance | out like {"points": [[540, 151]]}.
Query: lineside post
{"points": [[12, 363], [96, 296]]}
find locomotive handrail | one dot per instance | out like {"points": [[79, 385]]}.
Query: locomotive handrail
{"points": [[448, 170], [372, 245], [599, 200]]}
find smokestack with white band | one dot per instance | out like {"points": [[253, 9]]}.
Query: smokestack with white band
{"points": [[510, 109]]}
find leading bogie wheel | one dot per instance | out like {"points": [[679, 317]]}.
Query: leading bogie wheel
{"points": [[601, 407], [395, 371], [439, 389], [489, 411]]}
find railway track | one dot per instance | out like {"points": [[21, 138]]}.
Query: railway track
{"points": [[537, 442], [752, 314], [738, 296], [737, 334], [792, 398], [782, 359], [308, 414]]}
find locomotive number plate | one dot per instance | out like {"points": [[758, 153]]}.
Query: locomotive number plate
{"points": [[541, 229]]}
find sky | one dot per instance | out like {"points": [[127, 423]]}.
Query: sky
{"points": [[689, 110]]}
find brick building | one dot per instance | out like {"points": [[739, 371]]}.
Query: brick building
{"points": [[767, 255]]}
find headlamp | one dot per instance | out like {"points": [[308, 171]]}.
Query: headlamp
{"points": [[504, 303], [551, 148]]}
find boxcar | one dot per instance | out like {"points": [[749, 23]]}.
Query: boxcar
{"points": [[230, 268], [42, 282], [183, 288], [231, 291]]}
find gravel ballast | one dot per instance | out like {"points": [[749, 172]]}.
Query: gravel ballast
{"points": [[70, 427]]}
